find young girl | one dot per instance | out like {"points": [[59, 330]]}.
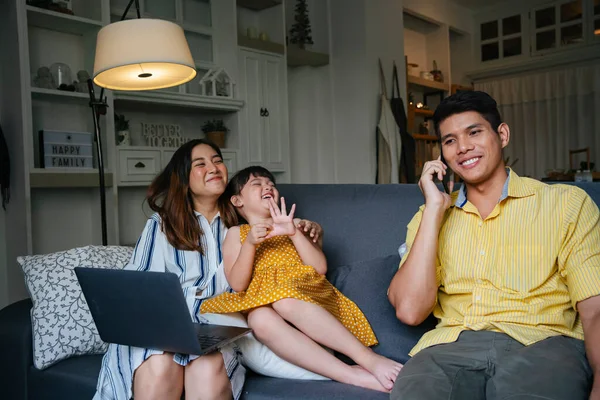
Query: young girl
{"points": [[279, 277]]}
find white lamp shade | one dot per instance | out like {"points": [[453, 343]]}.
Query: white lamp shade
{"points": [[142, 54]]}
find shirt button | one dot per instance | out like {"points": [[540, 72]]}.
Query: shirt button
{"points": [[477, 298], [480, 223], [482, 252], [479, 281]]}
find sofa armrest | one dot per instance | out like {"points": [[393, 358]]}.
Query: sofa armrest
{"points": [[16, 349]]}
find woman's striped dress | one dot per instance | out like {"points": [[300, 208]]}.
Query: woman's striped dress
{"points": [[201, 277]]}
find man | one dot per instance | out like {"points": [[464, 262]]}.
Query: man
{"points": [[510, 267]]}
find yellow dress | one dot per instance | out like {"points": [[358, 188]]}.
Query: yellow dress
{"points": [[278, 274]]}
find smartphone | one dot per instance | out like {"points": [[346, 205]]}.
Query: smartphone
{"points": [[449, 173]]}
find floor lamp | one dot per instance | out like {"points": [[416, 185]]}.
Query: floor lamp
{"points": [[131, 55]]}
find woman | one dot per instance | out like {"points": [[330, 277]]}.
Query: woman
{"points": [[184, 237]]}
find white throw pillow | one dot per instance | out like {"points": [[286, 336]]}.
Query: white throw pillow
{"points": [[258, 357], [61, 321]]}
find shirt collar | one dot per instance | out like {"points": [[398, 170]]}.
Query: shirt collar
{"points": [[216, 218], [514, 186]]}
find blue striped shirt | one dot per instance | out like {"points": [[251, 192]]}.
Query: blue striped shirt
{"points": [[201, 277]]}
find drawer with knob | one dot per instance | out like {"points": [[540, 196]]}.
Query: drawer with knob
{"points": [[138, 166]]}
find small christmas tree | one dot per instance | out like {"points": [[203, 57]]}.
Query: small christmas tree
{"points": [[300, 31]]}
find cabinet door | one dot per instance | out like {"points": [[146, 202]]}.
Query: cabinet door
{"points": [[251, 77], [275, 131]]}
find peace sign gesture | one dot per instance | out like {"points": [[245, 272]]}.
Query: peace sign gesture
{"points": [[283, 223]]}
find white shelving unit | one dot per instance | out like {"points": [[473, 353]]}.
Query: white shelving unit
{"points": [[44, 38], [179, 100], [57, 209], [60, 208]]}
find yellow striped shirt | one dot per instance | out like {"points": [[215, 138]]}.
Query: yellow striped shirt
{"points": [[520, 271]]}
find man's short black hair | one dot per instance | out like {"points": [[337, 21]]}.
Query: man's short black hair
{"points": [[469, 100]]}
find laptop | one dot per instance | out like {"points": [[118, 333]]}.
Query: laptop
{"points": [[148, 309]]}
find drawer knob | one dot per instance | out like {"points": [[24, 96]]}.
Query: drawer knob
{"points": [[140, 165]]}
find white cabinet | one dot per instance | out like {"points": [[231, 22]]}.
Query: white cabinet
{"points": [[262, 84], [139, 165]]}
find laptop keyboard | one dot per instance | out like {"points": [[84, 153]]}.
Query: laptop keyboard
{"points": [[208, 340]]}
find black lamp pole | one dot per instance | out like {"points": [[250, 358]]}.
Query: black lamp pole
{"points": [[99, 106]]}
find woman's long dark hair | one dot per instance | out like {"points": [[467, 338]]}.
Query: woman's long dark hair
{"points": [[169, 195], [230, 215]]}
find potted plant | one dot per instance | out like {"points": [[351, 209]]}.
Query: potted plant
{"points": [[122, 130], [215, 131]]}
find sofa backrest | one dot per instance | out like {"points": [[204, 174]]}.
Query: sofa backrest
{"points": [[362, 222]]}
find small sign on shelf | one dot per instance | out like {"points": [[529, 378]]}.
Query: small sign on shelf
{"points": [[59, 149], [163, 135]]}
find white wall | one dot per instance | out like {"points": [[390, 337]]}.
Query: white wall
{"points": [[15, 218], [415, 44], [310, 105], [361, 32], [353, 147], [311, 125], [443, 11]]}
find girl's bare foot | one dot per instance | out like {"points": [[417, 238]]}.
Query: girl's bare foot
{"points": [[382, 368], [363, 378]]}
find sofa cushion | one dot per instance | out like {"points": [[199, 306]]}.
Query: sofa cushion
{"points": [[76, 376], [366, 283], [262, 388], [61, 320]]}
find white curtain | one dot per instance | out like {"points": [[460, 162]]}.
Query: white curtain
{"points": [[549, 113]]}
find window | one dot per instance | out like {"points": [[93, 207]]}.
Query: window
{"points": [[501, 38], [558, 25]]}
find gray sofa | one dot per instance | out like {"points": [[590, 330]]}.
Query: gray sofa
{"points": [[364, 226]]}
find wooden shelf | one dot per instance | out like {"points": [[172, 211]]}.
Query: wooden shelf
{"points": [[427, 84], [67, 178], [40, 93], [459, 88], [258, 5], [262, 45], [181, 100], [421, 111], [297, 57], [429, 138], [61, 22]]}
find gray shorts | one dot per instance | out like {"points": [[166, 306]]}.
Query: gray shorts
{"points": [[493, 366]]}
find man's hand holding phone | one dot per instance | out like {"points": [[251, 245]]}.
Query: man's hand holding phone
{"points": [[433, 197]]}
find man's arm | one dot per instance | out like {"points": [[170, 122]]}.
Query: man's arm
{"points": [[589, 310], [413, 290]]}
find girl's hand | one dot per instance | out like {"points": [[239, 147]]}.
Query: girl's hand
{"points": [[258, 233], [310, 229], [283, 223]]}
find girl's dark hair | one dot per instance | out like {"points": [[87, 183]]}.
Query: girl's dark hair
{"points": [[169, 195], [229, 213], [469, 100]]}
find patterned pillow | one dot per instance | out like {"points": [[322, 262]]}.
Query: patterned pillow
{"points": [[61, 320]]}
